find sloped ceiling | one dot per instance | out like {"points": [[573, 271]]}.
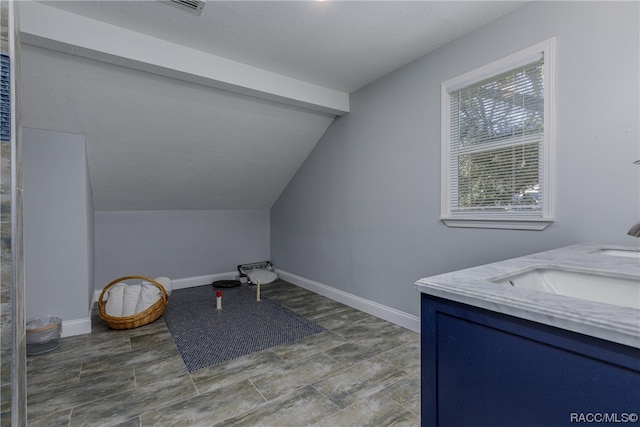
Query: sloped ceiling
{"points": [[216, 111]]}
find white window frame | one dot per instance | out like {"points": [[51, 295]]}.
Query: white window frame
{"points": [[504, 221]]}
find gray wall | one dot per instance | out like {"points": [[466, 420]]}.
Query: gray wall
{"points": [[361, 214], [58, 225], [178, 244]]}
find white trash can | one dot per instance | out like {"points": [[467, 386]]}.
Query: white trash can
{"points": [[43, 335]]}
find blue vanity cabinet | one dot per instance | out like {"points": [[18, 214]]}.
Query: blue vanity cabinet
{"points": [[482, 368]]}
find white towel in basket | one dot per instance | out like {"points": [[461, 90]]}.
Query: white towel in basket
{"points": [[125, 300]]}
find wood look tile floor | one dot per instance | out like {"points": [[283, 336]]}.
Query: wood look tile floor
{"points": [[362, 371]]}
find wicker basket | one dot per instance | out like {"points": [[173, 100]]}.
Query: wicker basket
{"points": [[139, 319]]}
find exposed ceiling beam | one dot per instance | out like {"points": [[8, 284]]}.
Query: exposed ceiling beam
{"points": [[51, 28]]}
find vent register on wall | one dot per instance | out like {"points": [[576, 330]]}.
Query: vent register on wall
{"points": [[193, 6]]}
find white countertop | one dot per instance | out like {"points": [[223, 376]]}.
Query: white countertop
{"points": [[474, 286]]}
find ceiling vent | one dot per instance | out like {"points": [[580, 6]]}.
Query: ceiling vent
{"points": [[193, 6]]}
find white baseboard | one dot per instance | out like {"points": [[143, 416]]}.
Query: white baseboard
{"points": [[186, 282], [190, 282], [389, 314], [75, 327]]}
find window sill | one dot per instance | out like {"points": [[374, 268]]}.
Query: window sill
{"points": [[536, 224]]}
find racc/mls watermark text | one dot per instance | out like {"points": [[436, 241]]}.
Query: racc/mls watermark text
{"points": [[604, 417]]}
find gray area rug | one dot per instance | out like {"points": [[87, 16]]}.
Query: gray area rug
{"points": [[207, 336]]}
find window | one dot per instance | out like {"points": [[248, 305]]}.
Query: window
{"points": [[497, 143]]}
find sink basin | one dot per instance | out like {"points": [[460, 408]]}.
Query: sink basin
{"points": [[628, 253], [624, 292]]}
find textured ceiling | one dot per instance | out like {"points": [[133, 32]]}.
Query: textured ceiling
{"points": [[156, 142], [338, 44]]}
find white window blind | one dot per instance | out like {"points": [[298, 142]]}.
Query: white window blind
{"points": [[496, 143]]}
